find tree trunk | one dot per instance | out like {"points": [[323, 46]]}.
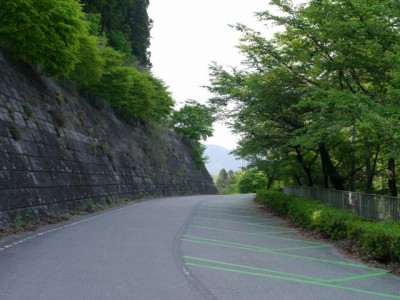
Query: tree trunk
{"points": [[331, 171], [352, 179], [392, 177], [369, 175], [298, 180], [270, 181], [371, 170], [307, 169], [325, 173]]}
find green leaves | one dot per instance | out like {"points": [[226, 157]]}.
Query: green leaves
{"points": [[43, 32], [59, 37], [329, 79], [193, 121], [132, 94], [126, 24], [90, 66], [251, 181]]}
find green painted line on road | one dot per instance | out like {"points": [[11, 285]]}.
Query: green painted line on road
{"points": [[343, 279], [262, 235], [265, 250], [253, 246], [248, 209], [255, 213], [250, 268], [255, 234], [360, 291], [266, 234], [239, 222], [239, 216], [357, 277], [302, 248]]}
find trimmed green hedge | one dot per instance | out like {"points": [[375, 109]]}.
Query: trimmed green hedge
{"points": [[379, 240]]}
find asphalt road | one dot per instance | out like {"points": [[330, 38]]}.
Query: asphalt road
{"points": [[201, 247]]}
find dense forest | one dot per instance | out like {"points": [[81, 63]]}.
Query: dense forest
{"points": [[318, 103], [103, 46]]}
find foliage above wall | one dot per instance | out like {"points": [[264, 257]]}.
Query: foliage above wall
{"points": [[194, 122], [102, 45]]}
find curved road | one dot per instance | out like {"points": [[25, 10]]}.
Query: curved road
{"points": [[200, 247]]}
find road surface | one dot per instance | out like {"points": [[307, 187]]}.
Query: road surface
{"points": [[200, 247]]}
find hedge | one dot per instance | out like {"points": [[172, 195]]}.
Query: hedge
{"points": [[378, 240]]}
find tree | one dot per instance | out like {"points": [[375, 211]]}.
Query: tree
{"points": [[221, 183], [126, 24], [119, 41], [139, 25], [163, 102], [193, 121], [251, 181], [324, 84], [43, 32], [90, 66], [226, 182]]}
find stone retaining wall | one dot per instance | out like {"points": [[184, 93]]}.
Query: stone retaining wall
{"points": [[58, 153]]}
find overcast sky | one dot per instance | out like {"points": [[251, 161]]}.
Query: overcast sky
{"points": [[188, 35]]}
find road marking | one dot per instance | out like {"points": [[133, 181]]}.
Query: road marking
{"points": [[343, 279], [296, 280], [266, 250], [58, 228], [262, 235], [357, 277], [239, 222], [239, 216], [249, 209], [256, 247], [249, 267]]}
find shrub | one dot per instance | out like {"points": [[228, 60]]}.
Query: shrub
{"points": [[378, 240], [274, 200], [251, 181]]}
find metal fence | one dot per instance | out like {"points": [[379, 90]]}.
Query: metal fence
{"points": [[368, 206]]}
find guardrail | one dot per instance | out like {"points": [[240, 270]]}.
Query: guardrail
{"points": [[368, 206]]}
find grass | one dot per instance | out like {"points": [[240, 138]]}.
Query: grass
{"points": [[16, 135]]}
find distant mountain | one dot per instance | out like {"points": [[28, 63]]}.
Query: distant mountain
{"points": [[219, 158]]}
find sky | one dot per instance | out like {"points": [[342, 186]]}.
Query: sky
{"points": [[188, 35]]}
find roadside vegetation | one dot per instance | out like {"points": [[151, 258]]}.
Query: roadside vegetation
{"points": [[375, 240], [103, 47], [317, 103], [243, 182], [194, 122]]}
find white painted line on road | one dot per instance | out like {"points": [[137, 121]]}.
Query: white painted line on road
{"points": [[58, 228]]}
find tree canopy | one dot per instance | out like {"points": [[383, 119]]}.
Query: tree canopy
{"points": [[126, 24], [194, 122], [102, 45], [317, 104], [43, 32]]}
